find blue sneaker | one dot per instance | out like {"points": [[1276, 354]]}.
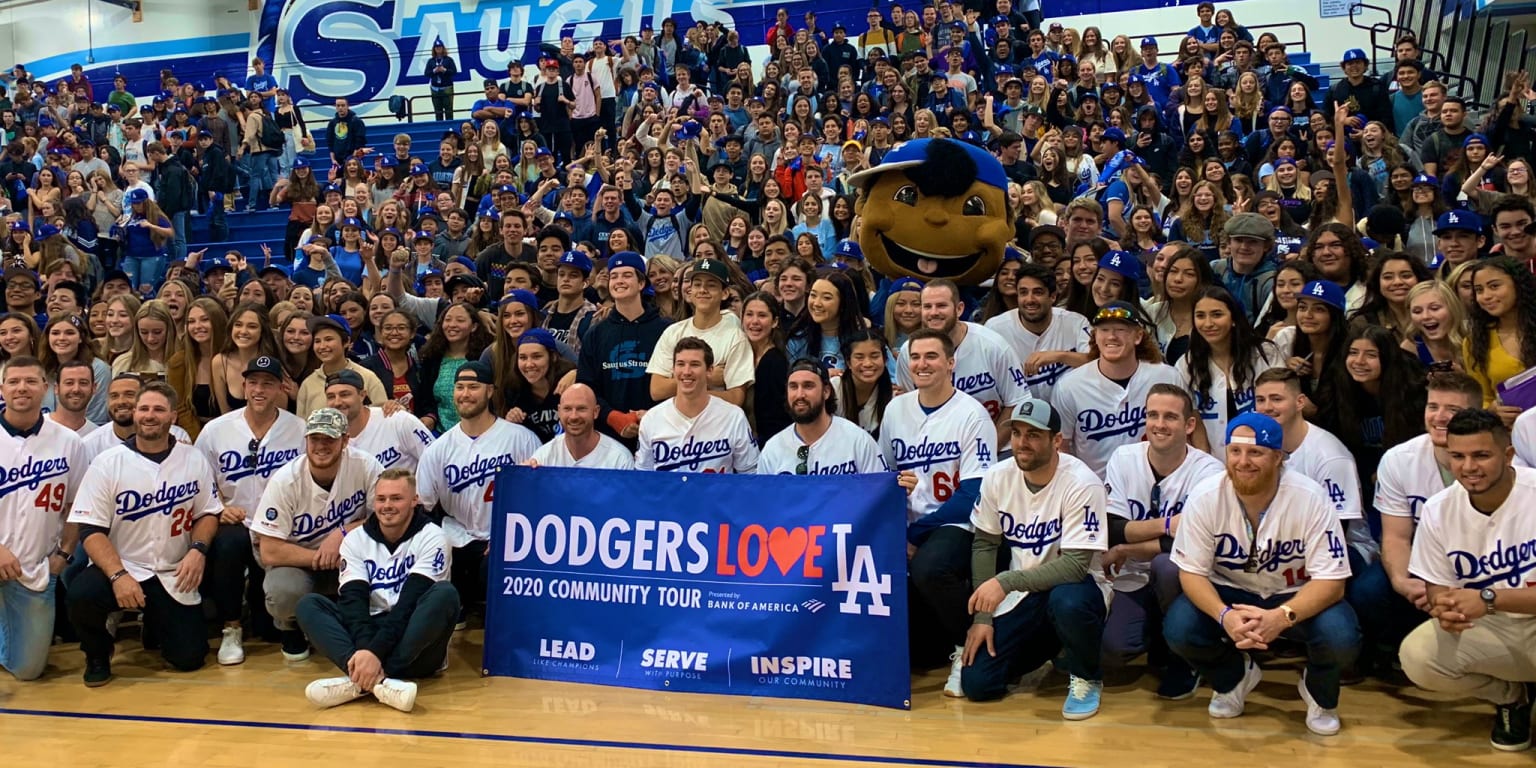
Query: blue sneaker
{"points": [[1082, 698]]}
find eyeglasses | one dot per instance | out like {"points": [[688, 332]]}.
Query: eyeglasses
{"points": [[255, 448], [804, 455]]}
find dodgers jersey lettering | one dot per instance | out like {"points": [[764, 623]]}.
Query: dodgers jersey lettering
{"points": [[1299, 538], [385, 570], [1457, 546], [609, 454], [459, 472], [149, 509], [1068, 332], [718, 440], [985, 369], [956, 442], [395, 441], [1407, 477], [1098, 415], [844, 449], [39, 476], [296, 509], [1068, 513], [1129, 481], [226, 444]]}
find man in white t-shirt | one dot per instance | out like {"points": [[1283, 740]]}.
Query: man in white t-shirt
{"points": [[818, 443], [1049, 509], [1473, 549], [1047, 339], [1147, 483], [1262, 555], [940, 442], [694, 431], [1388, 599], [579, 444], [733, 367], [395, 610]]}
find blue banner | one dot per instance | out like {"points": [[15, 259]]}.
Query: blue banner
{"points": [[739, 584]]}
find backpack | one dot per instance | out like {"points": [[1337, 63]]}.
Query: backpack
{"points": [[271, 136]]}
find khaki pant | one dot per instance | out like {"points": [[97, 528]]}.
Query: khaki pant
{"points": [[1488, 661]]}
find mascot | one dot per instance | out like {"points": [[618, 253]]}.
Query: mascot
{"points": [[935, 208]]}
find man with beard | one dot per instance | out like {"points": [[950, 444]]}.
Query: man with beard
{"points": [[1147, 483], [396, 439], [306, 510], [246, 447], [122, 394], [694, 431], [72, 392], [457, 476], [1472, 552], [147, 512], [1050, 508], [1261, 556], [1048, 339], [45, 463], [818, 443], [579, 444], [984, 365]]}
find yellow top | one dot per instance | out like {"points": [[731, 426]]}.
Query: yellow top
{"points": [[1501, 366]]}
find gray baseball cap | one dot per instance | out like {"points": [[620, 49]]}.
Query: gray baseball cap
{"points": [[326, 421], [1038, 414]]}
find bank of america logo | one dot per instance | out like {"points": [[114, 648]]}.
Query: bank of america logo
{"points": [[813, 605]]}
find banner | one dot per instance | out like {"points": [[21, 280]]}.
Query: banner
{"points": [[740, 584]]}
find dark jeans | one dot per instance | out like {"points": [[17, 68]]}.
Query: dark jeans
{"points": [[421, 649], [468, 572], [442, 104], [183, 638], [938, 590], [1067, 617], [234, 577], [1135, 618], [1332, 639], [607, 112], [1385, 616], [558, 139]]}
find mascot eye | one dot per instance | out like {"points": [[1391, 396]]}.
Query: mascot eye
{"points": [[975, 206], [907, 195]]}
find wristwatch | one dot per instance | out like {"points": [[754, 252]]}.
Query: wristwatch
{"points": [[199, 547], [1488, 595], [1289, 613], [59, 551]]}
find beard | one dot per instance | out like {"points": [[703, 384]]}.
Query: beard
{"points": [[1267, 479], [808, 414], [470, 410]]}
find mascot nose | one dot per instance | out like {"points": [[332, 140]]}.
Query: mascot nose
{"points": [[936, 216]]}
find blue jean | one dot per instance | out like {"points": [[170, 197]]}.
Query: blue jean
{"points": [[146, 270], [1332, 639], [1067, 617], [422, 646], [179, 240], [263, 170], [1385, 616], [26, 628]]}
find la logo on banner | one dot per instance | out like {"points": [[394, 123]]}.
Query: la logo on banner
{"points": [[865, 578]]}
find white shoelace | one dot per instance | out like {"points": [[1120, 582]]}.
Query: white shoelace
{"points": [[1078, 688]]}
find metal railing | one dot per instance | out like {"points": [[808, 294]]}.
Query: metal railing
{"points": [[1298, 42]]}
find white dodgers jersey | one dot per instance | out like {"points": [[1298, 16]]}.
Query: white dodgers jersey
{"points": [[39, 476], [101, 440], [985, 369], [385, 569], [1068, 332], [844, 449], [953, 443], [397, 441], [1132, 489], [1322, 457], [609, 454], [1299, 538], [1068, 513], [1212, 404], [294, 508], [1407, 477], [1098, 415], [1459, 547], [242, 474], [149, 509], [459, 472], [718, 440], [1524, 437]]}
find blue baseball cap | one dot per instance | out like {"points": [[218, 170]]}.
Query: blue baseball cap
{"points": [[278, 268], [914, 153], [419, 169], [300, 162], [539, 336], [45, 231], [137, 196], [1426, 180], [1113, 134], [1012, 252], [1324, 291], [848, 249], [1266, 431], [626, 259], [389, 161], [211, 263], [464, 261], [578, 260], [1353, 54], [1122, 263], [1149, 42], [1459, 221], [906, 284], [1475, 138], [352, 221], [521, 296]]}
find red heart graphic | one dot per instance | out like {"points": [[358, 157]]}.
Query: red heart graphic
{"points": [[786, 547]]}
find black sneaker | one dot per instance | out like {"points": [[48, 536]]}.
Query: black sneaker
{"points": [[1512, 724], [99, 673], [1179, 681], [295, 645]]}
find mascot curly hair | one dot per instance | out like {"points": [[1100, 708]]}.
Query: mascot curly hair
{"points": [[935, 208]]}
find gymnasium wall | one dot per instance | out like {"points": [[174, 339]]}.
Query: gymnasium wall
{"points": [[369, 50]]}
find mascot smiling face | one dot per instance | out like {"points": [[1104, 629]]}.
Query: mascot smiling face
{"points": [[935, 208]]}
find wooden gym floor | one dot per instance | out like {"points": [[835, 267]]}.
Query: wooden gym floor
{"points": [[256, 715]]}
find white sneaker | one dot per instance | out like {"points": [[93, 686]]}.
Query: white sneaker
{"points": [[956, 664], [331, 691], [231, 652], [1321, 721], [396, 693], [1230, 704]]}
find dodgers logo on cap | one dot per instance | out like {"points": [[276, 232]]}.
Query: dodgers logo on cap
{"points": [[1317, 289]]}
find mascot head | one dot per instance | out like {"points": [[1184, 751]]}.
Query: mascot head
{"points": [[935, 208]]}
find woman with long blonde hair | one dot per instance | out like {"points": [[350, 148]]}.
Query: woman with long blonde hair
{"points": [[1248, 102], [154, 339]]}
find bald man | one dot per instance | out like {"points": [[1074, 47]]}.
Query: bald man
{"points": [[579, 444]]}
